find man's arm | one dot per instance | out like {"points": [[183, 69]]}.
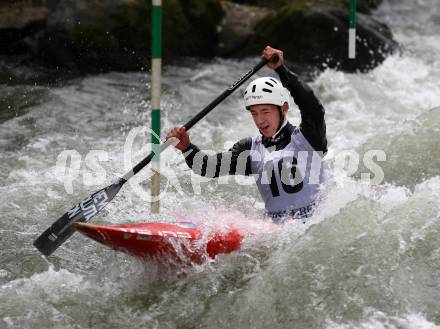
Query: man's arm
{"points": [[235, 161], [312, 112]]}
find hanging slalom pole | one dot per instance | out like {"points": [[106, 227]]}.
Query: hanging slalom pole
{"points": [[156, 68], [352, 30]]}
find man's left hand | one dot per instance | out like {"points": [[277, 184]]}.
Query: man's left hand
{"points": [[269, 53]]}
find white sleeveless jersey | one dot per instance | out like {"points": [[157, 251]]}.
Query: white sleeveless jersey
{"points": [[288, 179]]}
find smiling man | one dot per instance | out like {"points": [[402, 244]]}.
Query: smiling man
{"points": [[285, 160]]}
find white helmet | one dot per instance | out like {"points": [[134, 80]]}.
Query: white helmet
{"points": [[266, 90]]}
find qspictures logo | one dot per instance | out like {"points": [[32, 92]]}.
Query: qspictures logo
{"points": [[293, 170]]}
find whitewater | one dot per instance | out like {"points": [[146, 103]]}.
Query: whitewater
{"points": [[370, 258]]}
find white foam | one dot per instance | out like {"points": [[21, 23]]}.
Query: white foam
{"points": [[379, 320]]}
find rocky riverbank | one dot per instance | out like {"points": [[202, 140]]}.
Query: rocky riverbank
{"points": [[74, 37]]}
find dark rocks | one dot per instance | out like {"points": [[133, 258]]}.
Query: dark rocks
{"points": [[318, 35], [92, 36], [19, 23], [15, 17], [366, 6], [238, 26], [119, 37]]}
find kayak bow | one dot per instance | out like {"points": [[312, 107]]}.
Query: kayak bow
{"points": [[163, 241]]}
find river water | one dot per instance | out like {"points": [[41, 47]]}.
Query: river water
{"points": [[370, 258]]}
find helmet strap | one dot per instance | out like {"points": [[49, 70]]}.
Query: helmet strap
{"points": [[282, 117]]}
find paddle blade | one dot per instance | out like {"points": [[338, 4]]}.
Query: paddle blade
{"points": [[63, 228]]}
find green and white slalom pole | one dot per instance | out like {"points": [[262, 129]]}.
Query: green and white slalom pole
{"points": [[352, 30], [156, 68]]}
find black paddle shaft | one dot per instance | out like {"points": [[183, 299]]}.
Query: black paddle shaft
{"points": [[226, 93], [63, 228], [199, 116]]}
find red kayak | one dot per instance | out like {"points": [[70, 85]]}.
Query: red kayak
{"points": [[164, 242]]}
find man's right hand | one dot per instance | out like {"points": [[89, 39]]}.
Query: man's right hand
{"points": [[181, 135]]}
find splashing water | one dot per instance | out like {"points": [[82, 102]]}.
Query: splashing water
{"points": [[368, 259]]}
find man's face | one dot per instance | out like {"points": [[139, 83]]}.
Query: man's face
{"points": [[266, 118]]}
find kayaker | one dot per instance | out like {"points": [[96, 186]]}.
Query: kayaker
{"points": [[285, 160]]}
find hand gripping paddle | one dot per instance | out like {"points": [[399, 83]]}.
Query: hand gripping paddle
{"points": [[63, 228]]}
